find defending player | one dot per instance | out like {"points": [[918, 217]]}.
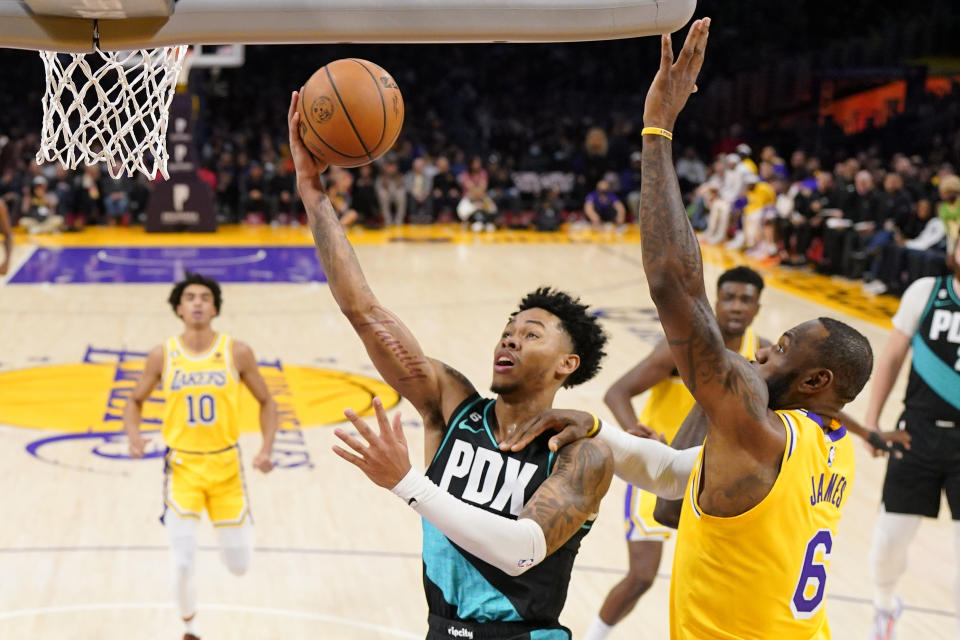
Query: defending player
{"points": [[738, 301], [765, 492], [201, 371], [500, 531]]}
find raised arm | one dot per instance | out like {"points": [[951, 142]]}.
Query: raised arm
{"points": [[723, 383], [252, 379], [133, 411], [394, 351], [653, 369]]}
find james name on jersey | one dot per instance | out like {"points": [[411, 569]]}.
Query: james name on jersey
{"points": [[832, 492]]}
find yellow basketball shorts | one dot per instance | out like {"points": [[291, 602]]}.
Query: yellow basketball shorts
{"points": [[194, 482], [638, 516]]}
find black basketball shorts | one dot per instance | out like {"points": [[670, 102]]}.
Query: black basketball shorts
{"points": [[914, 483]]}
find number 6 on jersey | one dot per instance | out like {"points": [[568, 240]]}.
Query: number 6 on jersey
{"points": [[813, 576]]}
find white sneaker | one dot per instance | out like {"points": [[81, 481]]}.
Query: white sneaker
{"points": [[874, 287], [884, 622]]}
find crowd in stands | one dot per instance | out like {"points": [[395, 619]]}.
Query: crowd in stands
{"points": [[878, 205]]}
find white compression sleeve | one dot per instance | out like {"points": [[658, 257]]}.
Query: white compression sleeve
{"points": [[892, 536], [649, 464], [513, 546]]}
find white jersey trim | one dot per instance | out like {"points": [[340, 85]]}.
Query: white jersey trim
{"points": [[202, 356]]}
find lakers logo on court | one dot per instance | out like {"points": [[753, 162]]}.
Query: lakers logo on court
{"points": [[83, 402]]}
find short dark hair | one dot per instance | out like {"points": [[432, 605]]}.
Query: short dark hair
{"points": [[195, 278], [847, 353], [583, 328], [742, 274]]}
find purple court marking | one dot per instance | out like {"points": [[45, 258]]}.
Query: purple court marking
{"points": [[77, 265]]}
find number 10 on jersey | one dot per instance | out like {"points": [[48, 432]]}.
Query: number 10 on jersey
{"points": [[201, 410]]}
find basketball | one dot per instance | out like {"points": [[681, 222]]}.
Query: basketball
{"points": [[351, 112]]}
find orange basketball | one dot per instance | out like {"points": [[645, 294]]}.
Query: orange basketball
{"points": [[351, 112]]}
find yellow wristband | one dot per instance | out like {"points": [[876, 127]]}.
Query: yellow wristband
{"points": [[656, 131], [595, 427]]}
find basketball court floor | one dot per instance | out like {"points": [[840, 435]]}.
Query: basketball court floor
{"points": [[82, 555]]}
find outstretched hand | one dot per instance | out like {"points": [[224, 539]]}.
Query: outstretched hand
{"points": [[675, 81], [307, 166], [383, 458], [572, 426]]}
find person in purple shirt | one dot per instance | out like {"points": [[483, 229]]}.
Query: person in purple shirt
{"points": [[603, 206]]}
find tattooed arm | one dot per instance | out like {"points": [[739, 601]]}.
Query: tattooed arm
{"points": [[555, 512], [724, 384], [433, 388], [572, 493]]}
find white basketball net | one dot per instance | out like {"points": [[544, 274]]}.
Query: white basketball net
{"points": [[109, 106]]}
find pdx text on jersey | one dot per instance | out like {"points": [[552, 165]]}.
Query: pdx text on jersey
{"points": [[483, 468], [946, 321]]}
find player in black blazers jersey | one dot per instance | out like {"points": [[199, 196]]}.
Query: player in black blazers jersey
{"points": [[500, 529], [928, 323]]}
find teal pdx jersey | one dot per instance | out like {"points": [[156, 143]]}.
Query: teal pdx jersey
{"points": [[460, 586], [934, 386]]}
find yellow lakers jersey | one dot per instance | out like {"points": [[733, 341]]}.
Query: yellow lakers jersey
{"points": [[763, 574], [202, 396], [670, 401]]}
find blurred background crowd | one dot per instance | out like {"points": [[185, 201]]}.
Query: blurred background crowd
{"points": [[841, 155]]}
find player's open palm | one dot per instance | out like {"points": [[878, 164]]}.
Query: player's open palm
{"points": [[307, 166], [383, 457], [570, 424], [675, 81]]}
